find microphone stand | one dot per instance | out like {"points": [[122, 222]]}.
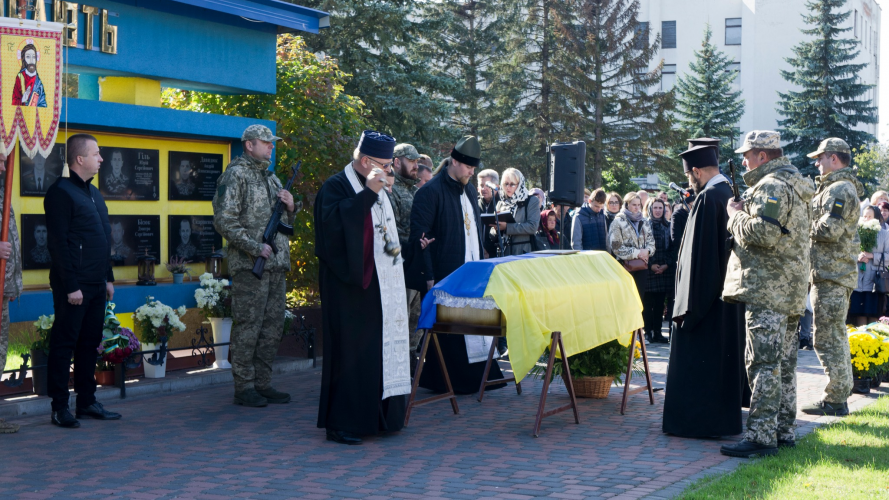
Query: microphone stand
{"points": [[497, 224]]}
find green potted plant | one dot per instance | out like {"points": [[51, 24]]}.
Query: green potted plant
{"points": [[178, 267], [593, 371], [40, 353]]}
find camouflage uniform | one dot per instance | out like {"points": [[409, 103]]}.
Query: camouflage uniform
{"points": [[769, 257], [12, 290], [835, 246], [246, 193], [402, 198]]}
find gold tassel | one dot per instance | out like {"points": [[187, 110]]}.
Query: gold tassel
{"points": [[65, 171]]}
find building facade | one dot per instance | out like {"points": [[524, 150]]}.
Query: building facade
{"points": [[758, 35]]}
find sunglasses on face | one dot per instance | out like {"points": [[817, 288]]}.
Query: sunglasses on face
{"points": [[510, 184]]}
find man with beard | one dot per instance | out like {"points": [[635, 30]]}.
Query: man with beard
{"points": [[404, 170], [446, 211], [366, 370], [705, 375], [27, 90]]}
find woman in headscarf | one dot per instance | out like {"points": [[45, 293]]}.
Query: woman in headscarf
{"points": [[547, 229], [524, 208], [662, 270], [630, 238]]}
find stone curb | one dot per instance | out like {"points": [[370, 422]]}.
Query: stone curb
{"points": [[179, 381]]}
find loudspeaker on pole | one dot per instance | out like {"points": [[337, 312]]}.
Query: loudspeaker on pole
{"points": [[565, 172]]}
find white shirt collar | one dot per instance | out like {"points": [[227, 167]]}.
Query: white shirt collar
{"points": [[716, 180]]}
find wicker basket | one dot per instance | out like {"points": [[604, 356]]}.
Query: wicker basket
{"points": [[591, 387]]}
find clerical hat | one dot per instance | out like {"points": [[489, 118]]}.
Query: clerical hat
{"points": [[705, 141], [699, 157], [467, 151], [377, 145]]}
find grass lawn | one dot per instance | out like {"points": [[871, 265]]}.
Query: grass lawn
{"points": [[13, 361], [846, 460]]}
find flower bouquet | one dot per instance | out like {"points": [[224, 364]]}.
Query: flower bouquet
{"points": [[867, 233], [117, 343], [214, 297], [156, 321]]}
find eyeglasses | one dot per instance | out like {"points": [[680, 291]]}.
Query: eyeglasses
{"points": [[614, 203], [386, 166], [510, 184]]}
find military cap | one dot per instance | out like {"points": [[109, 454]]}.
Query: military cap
{"points": [[467, 151], [260, 132], [760, 139], [376, 144], [831, 145], [406, 150], [699, 157], [703, 141]]}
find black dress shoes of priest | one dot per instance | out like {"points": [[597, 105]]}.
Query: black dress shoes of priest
{"points": [[342, 437], [64, 418]]}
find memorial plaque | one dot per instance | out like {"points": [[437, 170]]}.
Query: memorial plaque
{"points": [[192, 237], [132, 235], [129, 174], [193, 175], [35, 254], [39, 173]]}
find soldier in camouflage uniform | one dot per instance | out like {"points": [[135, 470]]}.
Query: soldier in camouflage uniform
{"points": [[835, 246], [405, 169], [11, 252], [765, 271], [246, 194]]}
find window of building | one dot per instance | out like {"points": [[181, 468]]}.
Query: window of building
{"points": [[733, 31], [735, 68], [668, 77], [668, 35], [641, 35]]}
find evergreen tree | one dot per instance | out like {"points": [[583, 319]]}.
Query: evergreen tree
{"points": [[706, 105], [369, 40], [829, 101]]}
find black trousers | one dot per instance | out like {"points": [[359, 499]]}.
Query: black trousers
{"points": [[77, 331], [653, 311]]}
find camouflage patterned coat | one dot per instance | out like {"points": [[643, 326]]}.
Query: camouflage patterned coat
{"points": [[768, 267], [402, 198], [245, 197], [835, 242], [13, 284]]}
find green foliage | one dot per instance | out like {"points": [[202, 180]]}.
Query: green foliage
{"points": [[40, 337], [606, 360], [320, 125], [829, 101], [872, 164], [706, 105], [618, 180]]}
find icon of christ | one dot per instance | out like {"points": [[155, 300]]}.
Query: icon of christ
{"points": [[28, 89]]}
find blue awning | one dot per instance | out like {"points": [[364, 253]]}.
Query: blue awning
{"points": [[287, 16]]}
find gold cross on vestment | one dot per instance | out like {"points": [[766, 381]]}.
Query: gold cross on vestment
{"points": [[466, 221]]}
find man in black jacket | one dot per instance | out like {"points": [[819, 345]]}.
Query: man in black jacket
{"points": [[81, 280]]}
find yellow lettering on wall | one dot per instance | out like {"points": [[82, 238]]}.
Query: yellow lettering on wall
{"points": [[88, 25], [109, 35], [66, 13]]}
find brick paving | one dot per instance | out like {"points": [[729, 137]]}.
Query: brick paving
{"points": [[196, 444]]}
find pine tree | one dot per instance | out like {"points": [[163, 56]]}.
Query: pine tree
{"points": [[829, 101], [369, 40], [706, 105]]}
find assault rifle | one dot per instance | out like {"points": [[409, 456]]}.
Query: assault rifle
{"points": [[274, 227], [731, 167]]}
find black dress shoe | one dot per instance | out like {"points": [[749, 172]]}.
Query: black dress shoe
{"points": [[64, 418], [659, 339], [342, 437], [747, 449], [98, 412]]}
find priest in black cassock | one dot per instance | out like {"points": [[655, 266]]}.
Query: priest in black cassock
{"points": [[705, 374], [366, 370], [446, 212]]}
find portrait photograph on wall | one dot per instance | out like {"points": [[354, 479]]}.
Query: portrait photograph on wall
{"points": [[193, 175], [132, 236], [35, 254], [192, 237], [39, 173], [130, 174]]}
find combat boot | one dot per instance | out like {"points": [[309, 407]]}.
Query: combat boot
{"points": [[825, 408], [748, 449], [251, 398], [273, 396]]}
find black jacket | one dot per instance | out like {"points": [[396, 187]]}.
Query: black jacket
{"points": [[437, 214], [79, 235]]}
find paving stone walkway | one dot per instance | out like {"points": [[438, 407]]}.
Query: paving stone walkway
{"points": [[196, 444]]}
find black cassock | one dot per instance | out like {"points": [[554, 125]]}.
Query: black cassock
{"points": [[352, 314], [705, 376]]}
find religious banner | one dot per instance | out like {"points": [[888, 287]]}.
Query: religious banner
{"points": [[30, 85]]}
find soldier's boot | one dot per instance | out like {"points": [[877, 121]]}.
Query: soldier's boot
{"points": [[8, 428], [748, 449], [273, 396], [251, 398], [825, 408]]}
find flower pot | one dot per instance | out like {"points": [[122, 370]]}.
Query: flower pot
{"points": [[222, 332], [105, 378], [177, 278], [876, 381], [861, 386], [39, 375], [591, 387], [152, 371]]}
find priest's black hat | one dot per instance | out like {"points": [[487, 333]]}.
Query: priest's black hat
{"points": [[467, 151], [699, 157], [704, 141], [377, 145]]}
